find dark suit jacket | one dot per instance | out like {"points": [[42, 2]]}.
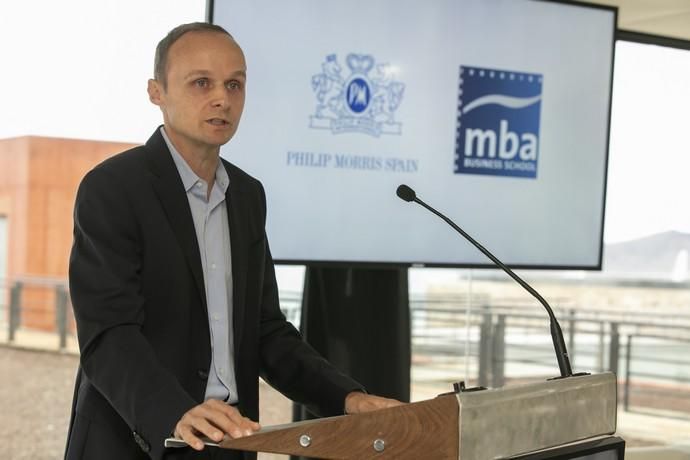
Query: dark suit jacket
{"points": [[139, 301]]}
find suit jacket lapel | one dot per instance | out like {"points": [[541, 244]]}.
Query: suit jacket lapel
{"points": [[237, 217], [170, 190]]}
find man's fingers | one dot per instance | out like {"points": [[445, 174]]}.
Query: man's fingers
{"points": [[202, 426], [357, 402], [213, 418], [242, 425], [225, 417], [185, 432], [385, 403], [196, 423]]}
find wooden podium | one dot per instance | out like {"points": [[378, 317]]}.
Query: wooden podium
{"points": [[469, 425]]}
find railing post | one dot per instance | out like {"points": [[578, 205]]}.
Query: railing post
{"points": [[15, 309], [61, 314], [498, 358], [626, 391], [484, 350], [600, 354], [571, 336], [614, 349]]}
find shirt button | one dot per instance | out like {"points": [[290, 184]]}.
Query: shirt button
{"points": [[213, 266]]}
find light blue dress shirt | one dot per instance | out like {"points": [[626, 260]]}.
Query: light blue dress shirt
{"points": [[210, 217]]}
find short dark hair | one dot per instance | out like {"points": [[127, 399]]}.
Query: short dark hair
{"points": [[160, 62]]}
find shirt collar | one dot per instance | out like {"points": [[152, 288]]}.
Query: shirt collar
{"points": [[189, 177]]}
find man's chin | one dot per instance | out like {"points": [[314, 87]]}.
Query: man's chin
{"points": [[222, 141], [212, 141], [219, 138]]}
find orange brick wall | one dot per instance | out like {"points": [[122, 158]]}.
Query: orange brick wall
{"points": [[39, 177]]}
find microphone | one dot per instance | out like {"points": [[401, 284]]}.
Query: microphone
{"points": [[407, 194]]}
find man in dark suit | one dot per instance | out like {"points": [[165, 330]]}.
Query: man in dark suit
{"points": [[173, 284]]}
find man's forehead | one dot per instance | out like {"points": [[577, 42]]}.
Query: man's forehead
{"points": [[205, 41], [205, 52]]}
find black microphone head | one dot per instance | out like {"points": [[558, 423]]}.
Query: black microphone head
{"points": [[406, 193]]}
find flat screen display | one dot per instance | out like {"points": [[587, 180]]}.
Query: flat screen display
{"points": [[495, 112]]}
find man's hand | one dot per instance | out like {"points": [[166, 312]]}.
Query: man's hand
{"points": [[357, 402], [213, 419]]}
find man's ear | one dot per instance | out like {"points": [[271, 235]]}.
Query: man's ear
{"points": [[154, 89]]}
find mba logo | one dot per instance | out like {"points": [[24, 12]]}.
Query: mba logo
{"points": [[498, 122]]}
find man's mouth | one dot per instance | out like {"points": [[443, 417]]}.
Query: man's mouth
{"points": [[218, 122]]}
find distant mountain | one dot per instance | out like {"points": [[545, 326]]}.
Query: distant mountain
{"points": [[660, 256]]}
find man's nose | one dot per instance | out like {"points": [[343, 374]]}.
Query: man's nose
{"points": [[220, 98]]}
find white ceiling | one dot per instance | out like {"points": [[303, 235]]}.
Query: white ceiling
{"points": [[668, 18]]}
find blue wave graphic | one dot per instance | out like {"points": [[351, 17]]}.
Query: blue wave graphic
{"points": [[499, 99]]}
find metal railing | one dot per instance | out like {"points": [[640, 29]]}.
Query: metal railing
{"points": [[486, 341], [39, 305], [508, 340]]}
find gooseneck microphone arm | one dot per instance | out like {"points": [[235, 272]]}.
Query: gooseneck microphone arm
{"points": [[407, 194]]}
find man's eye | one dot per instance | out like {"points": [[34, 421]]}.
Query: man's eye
{"points": [[201, 83], [234, 85]]}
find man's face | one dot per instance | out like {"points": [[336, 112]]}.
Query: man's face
{"points": [[203, 101]]}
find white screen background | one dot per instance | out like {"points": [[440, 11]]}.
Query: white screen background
{"points": [[347, 215]]}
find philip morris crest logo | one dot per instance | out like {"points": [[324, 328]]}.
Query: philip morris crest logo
{"points": [[498, 122], [365, 100]]}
